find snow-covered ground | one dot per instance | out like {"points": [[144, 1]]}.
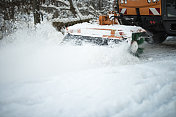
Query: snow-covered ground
{"points": [[41, 78]]}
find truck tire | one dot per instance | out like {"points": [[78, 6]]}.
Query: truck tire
{"points": [[159, 37]]}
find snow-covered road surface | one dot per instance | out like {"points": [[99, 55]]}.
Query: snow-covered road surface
{"points": [[40, 78]]}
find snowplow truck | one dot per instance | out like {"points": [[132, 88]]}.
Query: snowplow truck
{"points": [[156, 16]]}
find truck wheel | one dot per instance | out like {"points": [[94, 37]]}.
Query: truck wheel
{"points": [[159, 37]]}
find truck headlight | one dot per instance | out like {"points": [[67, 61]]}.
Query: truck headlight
{"points": [[122, 1], [149, 1]]}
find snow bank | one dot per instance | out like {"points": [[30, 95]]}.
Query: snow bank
{"points": [[39, 77]]}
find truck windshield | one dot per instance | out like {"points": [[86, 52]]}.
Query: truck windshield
{"points": [[171, 8]]}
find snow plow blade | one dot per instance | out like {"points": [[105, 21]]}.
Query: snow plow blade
{"points": [[137, 40], [79, 39], [106, 34]]}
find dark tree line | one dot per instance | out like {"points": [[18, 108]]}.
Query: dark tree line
{"points": [[8, 8], [60, 9]]}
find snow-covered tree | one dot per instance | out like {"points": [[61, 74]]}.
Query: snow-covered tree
{"points": [[54, 10]]}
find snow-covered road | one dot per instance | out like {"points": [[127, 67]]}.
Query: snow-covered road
{"points": [[41, 78]]}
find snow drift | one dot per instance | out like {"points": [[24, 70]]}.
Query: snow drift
{"points": [[39, 77]]}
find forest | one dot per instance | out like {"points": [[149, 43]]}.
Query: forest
{"points": [[60, 12]]}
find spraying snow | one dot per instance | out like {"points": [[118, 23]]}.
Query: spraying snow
{"points": [[40, 77]]}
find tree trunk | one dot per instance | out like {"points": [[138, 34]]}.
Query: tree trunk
{"points": [[36, 11], [116, 5], [99, 4], [72, 9]]}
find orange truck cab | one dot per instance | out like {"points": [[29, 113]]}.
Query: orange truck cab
{"points": [[156, 16]]}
